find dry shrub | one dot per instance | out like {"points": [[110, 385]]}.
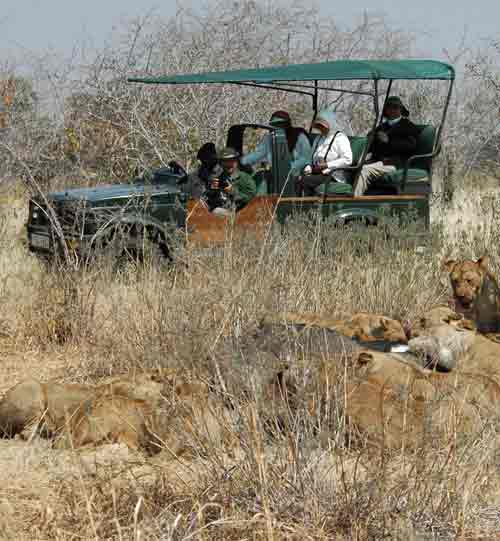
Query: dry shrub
{"points": [[62, 310]]}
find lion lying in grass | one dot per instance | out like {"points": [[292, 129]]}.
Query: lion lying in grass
{"points": [[389, 399], [364, 327], [470, 351], [109, 419], [397, 405], [150, 411], [33, 404]]}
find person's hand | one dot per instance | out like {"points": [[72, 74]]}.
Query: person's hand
{"points": [[307, 170], [228, 188], [326, 171], [382, 137], [215, 184]]}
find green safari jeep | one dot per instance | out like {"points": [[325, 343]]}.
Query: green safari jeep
{"points": [[126, 217], [150, 211]]}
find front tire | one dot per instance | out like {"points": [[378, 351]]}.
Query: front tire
{"points": [[134, 243]]}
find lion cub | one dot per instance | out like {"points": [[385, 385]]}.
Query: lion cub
{"points": [[476, 292]]}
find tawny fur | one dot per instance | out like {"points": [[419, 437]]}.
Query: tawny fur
{"points": [[394, 404], [31, 402], [362, 326], [109, 419], [152, 411], [476, 292]]}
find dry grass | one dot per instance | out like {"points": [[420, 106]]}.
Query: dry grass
{"points": [[292, 475]]}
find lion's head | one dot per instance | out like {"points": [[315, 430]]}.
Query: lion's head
{"points": [[467, 278]]}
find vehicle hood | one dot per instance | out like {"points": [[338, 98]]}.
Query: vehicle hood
{"points": [[112, 191]]}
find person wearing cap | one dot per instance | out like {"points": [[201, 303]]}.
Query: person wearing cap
{"points": [[394, 141], [331, 151], [298, 144], [237, 186]]}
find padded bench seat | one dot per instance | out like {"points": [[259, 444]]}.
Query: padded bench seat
{"points": [[335, 188], [396, 177], [358, 144], [419, 175]]}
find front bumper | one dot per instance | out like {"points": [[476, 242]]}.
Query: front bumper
{"points": [[43, 241]]}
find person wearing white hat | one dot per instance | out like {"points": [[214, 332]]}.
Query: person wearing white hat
{"points": [[331, 151]]}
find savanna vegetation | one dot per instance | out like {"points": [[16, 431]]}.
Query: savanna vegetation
{"points": [[289, 473]]}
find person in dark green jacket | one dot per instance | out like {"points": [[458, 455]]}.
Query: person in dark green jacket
{"points": [[236, 187]]}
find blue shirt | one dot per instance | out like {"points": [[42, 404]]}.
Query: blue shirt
{"points": [[301, 154]]}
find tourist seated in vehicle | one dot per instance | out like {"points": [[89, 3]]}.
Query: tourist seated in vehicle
{"points": [[394, 141], [331, 150], [198, 182], [298, 145], [233, 188]]}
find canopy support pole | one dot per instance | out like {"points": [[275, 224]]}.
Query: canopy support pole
{"points": [[315, 99], [387, 94], [300, 89], [328, 88], [375, 101], [315, 105], [445, 111], [270, 87]]}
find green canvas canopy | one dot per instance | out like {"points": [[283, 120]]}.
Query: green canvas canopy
{"points": [[337, 70]]}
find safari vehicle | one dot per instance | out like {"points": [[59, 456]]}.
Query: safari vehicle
{"points": [[160, 206], [127, 218]]}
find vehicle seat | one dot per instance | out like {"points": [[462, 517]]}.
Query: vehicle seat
{"points": [[358, 145]]}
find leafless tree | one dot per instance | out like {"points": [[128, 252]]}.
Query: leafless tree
{"points": [[97, 125]]}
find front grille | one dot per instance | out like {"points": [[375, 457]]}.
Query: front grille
{"points": [[70, 215]]}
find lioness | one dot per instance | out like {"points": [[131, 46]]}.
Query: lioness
{"points": [[396, 404], [362, 326], [31, 402], [476, 292], [110, 419]]}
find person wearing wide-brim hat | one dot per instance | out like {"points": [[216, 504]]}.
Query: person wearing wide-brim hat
{"points": [[197, 183], [395, 101], [394, 141], [331, 151], [299, 146], [237, 186]]}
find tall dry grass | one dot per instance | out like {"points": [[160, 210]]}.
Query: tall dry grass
{"points": [[293, 474]]}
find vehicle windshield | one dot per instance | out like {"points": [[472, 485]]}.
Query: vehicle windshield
{"points": [[162, 175], [254, 147]]}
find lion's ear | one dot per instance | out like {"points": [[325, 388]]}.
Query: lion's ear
{"points": [[483, 261], [449, 264], [364, 357]]}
